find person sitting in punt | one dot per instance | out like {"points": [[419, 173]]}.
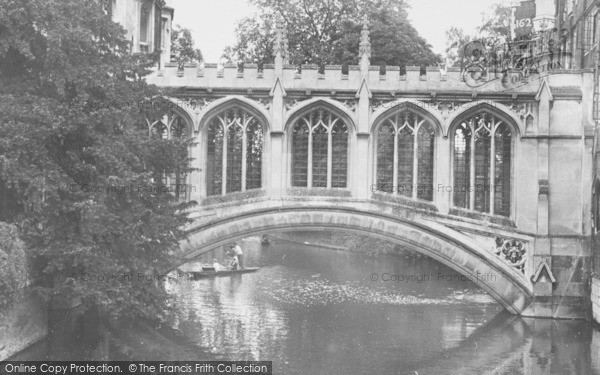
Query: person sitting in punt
{"points": [[235, 263], [217, 266]]}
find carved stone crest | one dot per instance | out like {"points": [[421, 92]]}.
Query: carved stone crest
{"points": [[512, 251]]}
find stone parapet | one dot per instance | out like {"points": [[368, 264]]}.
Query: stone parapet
{"points": [[335, 77]]}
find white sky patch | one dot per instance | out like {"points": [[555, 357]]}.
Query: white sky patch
{"points": [[213, 21]]}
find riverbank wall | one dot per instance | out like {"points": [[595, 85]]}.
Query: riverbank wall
{"points": [[595, 352], [595, 279], [23, 324]]}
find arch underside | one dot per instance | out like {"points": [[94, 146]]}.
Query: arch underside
{"points": [[507, 287]]}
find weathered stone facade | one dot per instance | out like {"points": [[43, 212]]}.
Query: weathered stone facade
{"points": [[147, 23], [551, 158], [579, 24]]}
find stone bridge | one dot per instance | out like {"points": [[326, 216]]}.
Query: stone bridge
{"points": [[492, 178]]}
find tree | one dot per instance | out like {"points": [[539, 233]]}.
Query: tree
{"points": [[76, 155], [183, 48], [394, 41], [328, 32], [456, 40], [496, 24], [494, 30], [255, 39]]}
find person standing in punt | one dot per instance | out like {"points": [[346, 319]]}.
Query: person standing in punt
{"points": [[237, 250]]}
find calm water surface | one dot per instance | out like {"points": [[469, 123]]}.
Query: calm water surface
{"points": [[316, 311]]}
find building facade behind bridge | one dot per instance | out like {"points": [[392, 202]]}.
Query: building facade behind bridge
{"points": [[579, 23]]}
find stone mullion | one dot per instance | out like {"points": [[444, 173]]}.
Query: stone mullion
{"points": [[492, 165], [165, 120], [329, 156], [309, 170], [472, 168], [395, 173], [415, 160], [224, 162], [244, 153]]}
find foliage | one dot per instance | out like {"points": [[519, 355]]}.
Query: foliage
{"points": [[497, 23], [12, 265], [183, 48], [72, 130], [328, 32], [495, 26], [456, 40]]}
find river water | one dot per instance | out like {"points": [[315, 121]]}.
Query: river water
{"points": [[318, 311]]}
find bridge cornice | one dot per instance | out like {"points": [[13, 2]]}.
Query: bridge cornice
{"points": [[388, 209]]}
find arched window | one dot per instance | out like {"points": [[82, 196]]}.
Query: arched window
{"points": [[405, 146], [177, 181], [385, 157], [482, 164], [235, 146], [177, 128], [145, 13], [319, 150], [159, 130]]}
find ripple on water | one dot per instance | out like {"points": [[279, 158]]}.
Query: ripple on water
{"points": [[319, 292]]}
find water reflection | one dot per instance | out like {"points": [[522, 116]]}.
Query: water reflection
{"points": [[318, 311], [315, 311]]}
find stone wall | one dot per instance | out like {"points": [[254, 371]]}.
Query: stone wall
{"points": [[23, 325], [595, 352], [595, 279], [595, 295]]}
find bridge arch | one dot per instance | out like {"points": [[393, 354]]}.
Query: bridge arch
{"points": [[506, 285]]}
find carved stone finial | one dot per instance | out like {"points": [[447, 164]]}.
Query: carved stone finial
{"points": [[281, 40], [365, 41]]}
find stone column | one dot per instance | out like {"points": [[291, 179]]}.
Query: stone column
{"points": [[197, 179], [361, 171], [542, 247], [443, 185]]}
